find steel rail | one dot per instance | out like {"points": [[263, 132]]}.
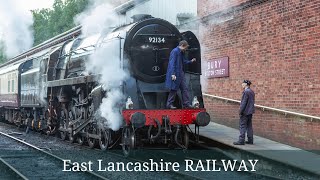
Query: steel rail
{"points": [[13, 169], [120, 155], [171, 172], [192, 158], [265, 107], [47, 153]]}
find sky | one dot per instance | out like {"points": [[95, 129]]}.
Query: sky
{"points": [[13, 11], [36, 4]]}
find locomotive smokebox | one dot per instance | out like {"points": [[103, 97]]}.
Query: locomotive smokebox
{"points": [[202, 119], [138, 120], [148, 45]]}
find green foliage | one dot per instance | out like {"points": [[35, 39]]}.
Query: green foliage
{"points": [[3, 57], [51, 22]]}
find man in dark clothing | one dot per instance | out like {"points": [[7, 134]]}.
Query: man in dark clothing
{"points": [[245, 112], [175, 79]]}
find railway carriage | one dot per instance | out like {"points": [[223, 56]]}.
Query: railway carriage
{"points": [[52, 88]]}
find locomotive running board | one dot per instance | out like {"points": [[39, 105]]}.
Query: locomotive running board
{"points": [[72, 81]]}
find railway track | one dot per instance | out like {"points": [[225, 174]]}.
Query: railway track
{"points": [[21, 160], [143, 155], [195, 175]]}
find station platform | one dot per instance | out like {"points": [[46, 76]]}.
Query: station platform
{"points": [[266, 148]]}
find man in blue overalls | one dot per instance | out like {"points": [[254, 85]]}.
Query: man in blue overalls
{"points": [[245, 112], [175, 79]]}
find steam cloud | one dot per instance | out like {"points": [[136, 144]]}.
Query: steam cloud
{"points": [[15, 27], [99, 18]]}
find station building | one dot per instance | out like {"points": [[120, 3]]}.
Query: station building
{"points": [[276, 45]]}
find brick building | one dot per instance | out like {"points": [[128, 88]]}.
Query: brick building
{"points": [[275, 44]]}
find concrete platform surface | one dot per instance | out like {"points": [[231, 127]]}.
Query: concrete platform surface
{"points": [[265, 148]]}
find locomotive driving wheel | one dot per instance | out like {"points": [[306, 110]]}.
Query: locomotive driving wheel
{"points": [[128, 140], [64, 123], [71, 137], [182, 137], [80, 138], [104, 139], [92, 141], [63, 134]]}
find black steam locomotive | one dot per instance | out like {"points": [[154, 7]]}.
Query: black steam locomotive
{"points": [[46, 88]]}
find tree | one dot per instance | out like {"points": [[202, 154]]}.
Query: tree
{"points": [[51, 22], [3, 57]]}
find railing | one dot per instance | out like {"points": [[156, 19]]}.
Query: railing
{"points": [[266, 108]]}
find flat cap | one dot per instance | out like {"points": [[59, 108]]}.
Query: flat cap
{"points": [[247, 82]]}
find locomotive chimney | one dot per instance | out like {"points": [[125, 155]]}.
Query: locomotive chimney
{"points": [[140, 17]]}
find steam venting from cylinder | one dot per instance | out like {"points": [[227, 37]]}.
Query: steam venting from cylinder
{"points": [[99, 18]]}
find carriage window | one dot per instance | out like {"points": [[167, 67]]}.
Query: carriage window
{"points": [[8, 86], [12, 85]]}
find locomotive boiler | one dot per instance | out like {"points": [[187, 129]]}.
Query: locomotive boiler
{"points": [[52, 90]]}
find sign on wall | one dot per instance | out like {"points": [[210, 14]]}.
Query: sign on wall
{"points": [[218, 67]]}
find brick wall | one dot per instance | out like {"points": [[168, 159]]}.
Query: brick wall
{"points": [[291, 130], [275, 44], [211, 6]]}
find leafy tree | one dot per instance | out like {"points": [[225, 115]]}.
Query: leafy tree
{"points": [[51, 22], [3, 57]]}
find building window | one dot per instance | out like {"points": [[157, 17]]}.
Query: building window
{"points": [[8, 86], [12, 85]]}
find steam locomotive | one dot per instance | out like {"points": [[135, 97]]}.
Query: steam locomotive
{"points": [[45, 88]]}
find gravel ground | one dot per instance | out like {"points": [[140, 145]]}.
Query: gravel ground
{"points": [[32, 163]]}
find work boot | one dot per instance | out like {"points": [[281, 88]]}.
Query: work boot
{"points": [[238, 143], [249, 142], [172, 107], [188, 106]]}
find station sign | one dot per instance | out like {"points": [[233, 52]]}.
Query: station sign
{"points": [[217, 68]]}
